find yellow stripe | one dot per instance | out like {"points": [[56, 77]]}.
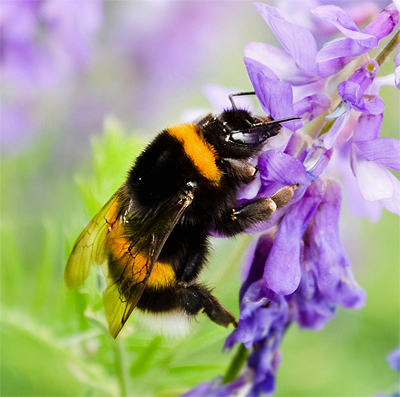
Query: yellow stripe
{"points": [[201, 153]]}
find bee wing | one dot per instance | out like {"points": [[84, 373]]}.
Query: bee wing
{"points": [[128, 274], [90, 247]]}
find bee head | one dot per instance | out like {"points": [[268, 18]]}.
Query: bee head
{"points": [[236, 133]]}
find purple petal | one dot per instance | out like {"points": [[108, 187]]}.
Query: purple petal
{"points": [[371, 105], [275, 96], [311, 106], [296, 40], [264, 361], [397, 70], [357, 205], [393, 204], [341, 20], [256, 318], [340, 50], [368, 127], [256, 259], [322, 246], [378, 82], [332, 66], [280, 167], [317, 159], [354, 88], [249, 191], [384, 23], [282, 269], [313, 310], [280, 62], [337, 127], [385, 151], [373, 179]]}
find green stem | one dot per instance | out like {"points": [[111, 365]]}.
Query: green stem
{"points": [[390, 47], [236, 364], [119, 368]]}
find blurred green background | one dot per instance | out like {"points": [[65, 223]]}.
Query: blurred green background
{"points": [[84, 131]]}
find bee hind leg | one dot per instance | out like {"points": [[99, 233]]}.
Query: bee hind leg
{"points": [[197, 298]]}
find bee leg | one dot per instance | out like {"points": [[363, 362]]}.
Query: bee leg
{"points": [[254, 211], [193, 265], [197, 298], [239, 170]]}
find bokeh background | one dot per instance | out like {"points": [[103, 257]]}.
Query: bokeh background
{"points": [[84, 86]]}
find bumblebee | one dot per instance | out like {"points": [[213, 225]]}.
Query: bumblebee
{"points": [[151, 237]]}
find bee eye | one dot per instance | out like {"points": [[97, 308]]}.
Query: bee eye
{"points": [[246, 138]]}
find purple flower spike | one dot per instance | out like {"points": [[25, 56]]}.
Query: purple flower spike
{"points": [[282, 269]]}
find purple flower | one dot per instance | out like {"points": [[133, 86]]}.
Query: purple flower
{"points": [[393, 359], [298, 272]]}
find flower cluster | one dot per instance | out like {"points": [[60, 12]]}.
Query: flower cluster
{"points": [[41, 41], [49, 36], [298, 272]]}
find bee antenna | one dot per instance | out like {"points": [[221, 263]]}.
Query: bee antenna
{"points": [[239, 94], [282, 120]]}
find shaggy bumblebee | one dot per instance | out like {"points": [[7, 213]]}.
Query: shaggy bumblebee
{"points": [[152, 235]]}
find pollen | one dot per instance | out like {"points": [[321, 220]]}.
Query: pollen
{"points": [[200, 152]]}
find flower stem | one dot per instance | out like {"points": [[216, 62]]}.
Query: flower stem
{"points": [[236, 364], [385, 53], [119, 369]]}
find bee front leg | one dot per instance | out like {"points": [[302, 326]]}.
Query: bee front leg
{"points": [[254, 211], [239, 170]]}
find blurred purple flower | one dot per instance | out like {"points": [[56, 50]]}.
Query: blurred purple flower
{"points": [[17, 125], [393, 359], [42, 39], [41, 42]]}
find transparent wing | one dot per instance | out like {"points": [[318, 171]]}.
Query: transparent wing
{"points": [[135, 249], [90, 248]]}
